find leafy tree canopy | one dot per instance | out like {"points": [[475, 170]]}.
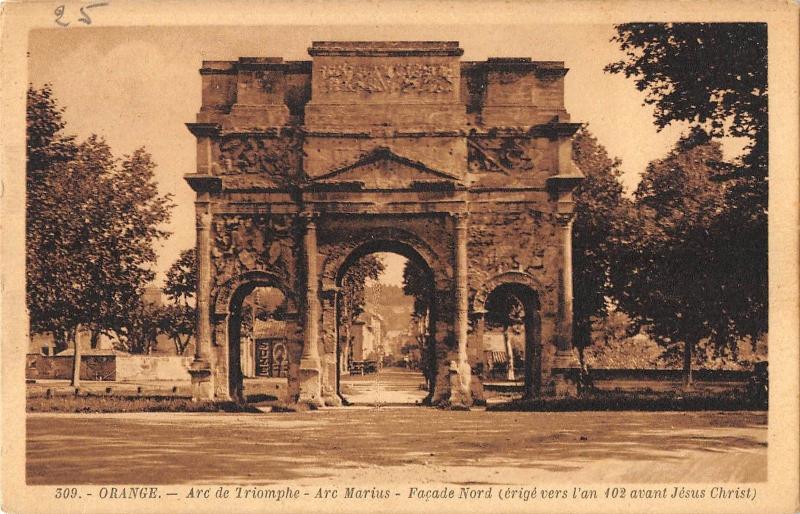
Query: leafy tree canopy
{"points": [[714, 77], [354, 285], [670, 276], [601, 210], [711, 75], [92, 222]]}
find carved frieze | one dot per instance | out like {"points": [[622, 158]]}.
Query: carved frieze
{"points": [[247, 243], [276, 158], [501, 154], [412, 78]]}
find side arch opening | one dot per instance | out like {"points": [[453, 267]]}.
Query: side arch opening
{"points": [[512, 339]]}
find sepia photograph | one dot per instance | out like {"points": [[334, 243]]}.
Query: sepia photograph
{"points": [[513, 264]]}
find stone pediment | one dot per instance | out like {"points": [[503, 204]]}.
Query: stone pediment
{"points": [[381, 168]]}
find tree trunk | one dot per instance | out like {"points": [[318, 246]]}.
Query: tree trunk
{"points": [[76, 360], [509, 354], [94, 338], [688, 347], [60, 341]]}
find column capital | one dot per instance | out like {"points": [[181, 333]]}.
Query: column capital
{"points": [[563, 219], [202, 218], [310, 219]]}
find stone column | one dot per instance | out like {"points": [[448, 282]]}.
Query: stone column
{"points": [[565, 358], [330, 350], [200, 370], [310, 366], [460, 389], [480, 329]]}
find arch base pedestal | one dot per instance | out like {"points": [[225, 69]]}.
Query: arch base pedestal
{"points": [[310, 387], [563, 382], [202, 381]]}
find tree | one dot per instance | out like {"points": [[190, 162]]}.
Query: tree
{"points": [[419, 285], [354, 284], [713, 76], [670, 281], [505, 310], [47, 148], [143, 325], [91, 228], [179, 317], [601, 210], [352, 298]]}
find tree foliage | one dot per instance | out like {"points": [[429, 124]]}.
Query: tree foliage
{"points": [[140, 331], [418, 285], [92, 222], [181, 278], [178, 318], [354, 285], [671, 274], [713, 76], [601, 210]]}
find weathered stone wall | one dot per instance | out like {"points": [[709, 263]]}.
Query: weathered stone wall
{"points": [[147, 367], [249, 250], [519, 238], [243, 243]]}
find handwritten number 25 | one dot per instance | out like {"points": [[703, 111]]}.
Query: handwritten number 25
{"points": [[59, 12]]}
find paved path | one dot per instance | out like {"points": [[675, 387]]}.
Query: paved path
{"points": [[389, 386], [381, 445]]}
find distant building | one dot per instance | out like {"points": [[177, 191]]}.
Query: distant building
{"points": [[367, 335]]}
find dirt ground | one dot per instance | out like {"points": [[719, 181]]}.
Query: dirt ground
{"points": [[378, 445]]}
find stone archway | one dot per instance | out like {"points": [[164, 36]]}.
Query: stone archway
{"points": [[410, 251], [472, 169], [528, 291], [229, 380]]}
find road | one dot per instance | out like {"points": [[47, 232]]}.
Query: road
{"points": [[388, 444], [390, 386]]}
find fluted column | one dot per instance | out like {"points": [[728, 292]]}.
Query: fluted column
{"points": [[202, 385], [564, 356], [480, 329], [310, 384], [310, 356], [462, 291], [460, 389]]}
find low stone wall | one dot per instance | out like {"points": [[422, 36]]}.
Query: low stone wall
{"points": [[148, 367], [701, 375], [58, 367]]}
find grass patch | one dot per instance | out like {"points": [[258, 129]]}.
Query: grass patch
{"points": [[646, 400], [107, 404]]}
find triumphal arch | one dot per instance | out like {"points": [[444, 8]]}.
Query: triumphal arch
{"points": [[304, 166]]}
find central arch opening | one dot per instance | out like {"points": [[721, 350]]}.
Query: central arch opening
{"points": [[385, 321]]}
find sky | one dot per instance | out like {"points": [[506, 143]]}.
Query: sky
{"points": [[137, 86]]}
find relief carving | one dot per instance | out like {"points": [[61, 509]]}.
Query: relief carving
{"points": [[504, 155], [248, 243], [277, 158], [492, 253], [387, 78]]}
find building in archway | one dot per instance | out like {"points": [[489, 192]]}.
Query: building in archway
{"points": [[305, 166]]}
